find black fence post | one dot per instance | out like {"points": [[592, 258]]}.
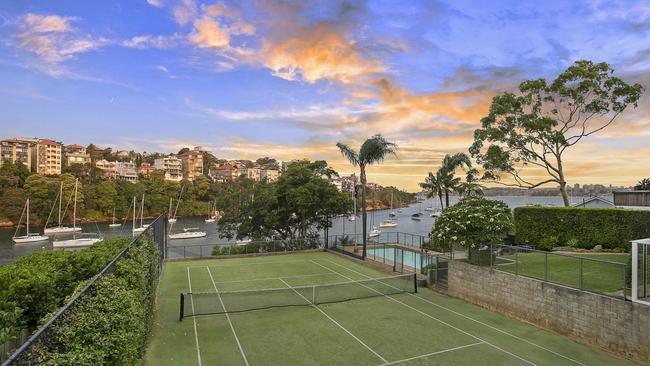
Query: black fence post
{"points": [[182, 307]]}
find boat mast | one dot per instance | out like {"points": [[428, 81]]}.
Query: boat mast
{"points": [[74, 214], [22, 213], [27, 234], [142, 211], [60, 201], [134, 213]]}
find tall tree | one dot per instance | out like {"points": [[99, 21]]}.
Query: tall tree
{"points": [[433, 185], [451, 183], [643, 185], [373, 151], [536, 127]]}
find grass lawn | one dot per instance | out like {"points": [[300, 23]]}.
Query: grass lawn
{"points": [[597, 276], [423, 328]]}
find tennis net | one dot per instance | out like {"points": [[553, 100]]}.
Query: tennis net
{"points": [[207, 303]]}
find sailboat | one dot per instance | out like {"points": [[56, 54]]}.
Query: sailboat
{"points": [[170, 217], [390, 222], [416, 216], [114, 224], [374, 232], [142, 227], [392, 213], [75, 242], [354, 202], [188, 233], [211, 215], [60, 229], [28, 237]]}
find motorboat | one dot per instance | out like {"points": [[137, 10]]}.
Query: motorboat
{"points": [[374, 233], [188, 235], [75, 243], [388, 223]]}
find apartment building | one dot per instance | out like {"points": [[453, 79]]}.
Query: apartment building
{"points": [[253, 173], [146, 169], [192, 162], [109, 168], [76, 154], [269, 175], [226, 172], [126, 170], [48, 155], [16, 150], [172, 166]]}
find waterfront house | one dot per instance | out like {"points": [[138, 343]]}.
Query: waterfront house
{"points": [[76, 154], [172, 166]]}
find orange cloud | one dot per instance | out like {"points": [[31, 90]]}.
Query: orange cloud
{"points": [[317, 53]]}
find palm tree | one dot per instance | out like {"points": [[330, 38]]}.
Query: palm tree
{"points": [[643, 185], [448, 167], [433, 185], [471, 187], [374, 150]]}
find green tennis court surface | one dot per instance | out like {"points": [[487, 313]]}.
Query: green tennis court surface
{"points": [[312, 311]]}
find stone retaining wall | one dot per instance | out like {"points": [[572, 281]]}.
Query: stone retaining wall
{"points": [[619, 326]]}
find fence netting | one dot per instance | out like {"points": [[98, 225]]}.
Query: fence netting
{"points": [[207, 303]]}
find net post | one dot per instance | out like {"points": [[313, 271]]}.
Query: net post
{"points": [[182, 307], [415, 282]]}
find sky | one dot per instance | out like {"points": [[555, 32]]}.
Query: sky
{"points": [[289, 79]]}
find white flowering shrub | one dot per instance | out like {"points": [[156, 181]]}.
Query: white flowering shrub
{"points": [[472, 223]]}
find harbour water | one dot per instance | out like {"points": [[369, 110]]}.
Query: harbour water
{"points": [[9, 251]]}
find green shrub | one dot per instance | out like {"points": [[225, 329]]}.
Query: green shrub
{"points": [[589, 227], [109, 324], [38, 284], [573, 243], [548, 243]]}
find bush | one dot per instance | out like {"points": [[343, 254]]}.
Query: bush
{"points": [[588, 227], [38, 284], [548, 243], [264, 247], [109, 324], [473, 222]]}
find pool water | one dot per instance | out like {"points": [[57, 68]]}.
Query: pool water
{"points": [[411, 259]]}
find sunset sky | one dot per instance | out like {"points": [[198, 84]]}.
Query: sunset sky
{"points": [[288, 79]]}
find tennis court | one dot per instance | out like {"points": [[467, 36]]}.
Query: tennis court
{"points": [[324, 309]]}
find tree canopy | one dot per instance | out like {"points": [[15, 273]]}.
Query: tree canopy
{"points": [[539, 124], [301, 201]]}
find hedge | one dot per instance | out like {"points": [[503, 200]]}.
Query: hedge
{"points": [[110, 323], [38, 284], [582, 227]]}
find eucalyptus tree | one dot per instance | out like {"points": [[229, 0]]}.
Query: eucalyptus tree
{"points": [[373, 151], [537, 126]]}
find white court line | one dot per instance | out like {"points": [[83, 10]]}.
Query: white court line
{"points": [[432, 353], [250, 264], [335, 322], [425, 314], [477, 321], [196, 333], [277, 278], [228, 317]]}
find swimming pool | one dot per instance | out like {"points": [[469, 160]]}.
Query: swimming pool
{"points": [[387, 254]]}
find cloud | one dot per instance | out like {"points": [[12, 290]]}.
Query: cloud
{"points": [[52, 40], [149, 41], [156, 3], [185, 12]]}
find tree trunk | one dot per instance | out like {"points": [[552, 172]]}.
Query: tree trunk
{"points": [[440, 197], [565, 195], [447, 199], [363, 209]]}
